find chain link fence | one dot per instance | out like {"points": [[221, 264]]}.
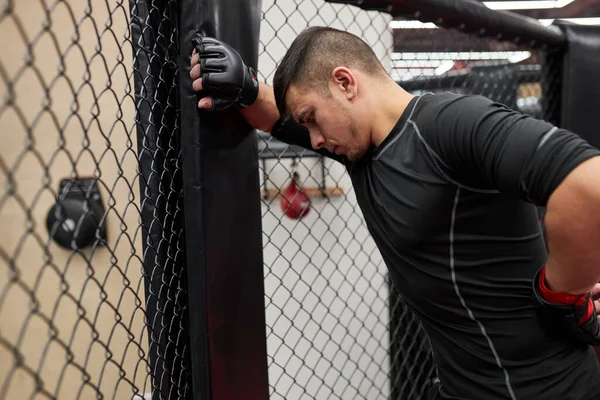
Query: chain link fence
{"points": [[326, 285], [337, 328], [90, 127], [92, 290]]}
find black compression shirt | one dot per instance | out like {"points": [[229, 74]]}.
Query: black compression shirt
{"points": [[450, 199]]}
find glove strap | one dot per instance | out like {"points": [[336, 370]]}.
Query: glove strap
{"points": [[249, 92]]}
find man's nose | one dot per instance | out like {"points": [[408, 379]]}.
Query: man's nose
{"points": [[316, 140]]}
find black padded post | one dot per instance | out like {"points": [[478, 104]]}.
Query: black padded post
{"points": [[223, 219]]}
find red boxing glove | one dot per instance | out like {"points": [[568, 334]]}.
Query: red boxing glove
{"points": [[294, 200], [575, 312]]}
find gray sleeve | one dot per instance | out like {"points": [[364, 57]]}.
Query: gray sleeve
{"points": [[486, 145]]}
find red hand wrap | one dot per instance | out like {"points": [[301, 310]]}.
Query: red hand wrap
{"points": [[565, 298]]}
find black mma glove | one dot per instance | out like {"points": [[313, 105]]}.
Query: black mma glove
{"points": [[575, 312], [224, 75]]}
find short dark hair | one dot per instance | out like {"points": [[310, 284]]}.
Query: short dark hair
{"points": [[312, 56]]}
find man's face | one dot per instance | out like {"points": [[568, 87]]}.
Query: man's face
{"points": [[330, 121]]}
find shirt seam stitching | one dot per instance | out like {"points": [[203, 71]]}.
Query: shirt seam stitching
{"points": [[464, 303], [394, 140]]}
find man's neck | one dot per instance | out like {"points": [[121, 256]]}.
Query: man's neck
{"points": [[390, 105]]}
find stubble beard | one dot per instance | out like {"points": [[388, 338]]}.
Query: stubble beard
{"points": [[355, 153]]}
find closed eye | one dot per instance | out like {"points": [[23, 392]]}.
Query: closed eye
{"points": [[306, 116]]}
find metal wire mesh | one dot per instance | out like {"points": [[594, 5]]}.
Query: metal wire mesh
{"points": [[337, 328], [90, 125], [427, 58], [90, 91]]}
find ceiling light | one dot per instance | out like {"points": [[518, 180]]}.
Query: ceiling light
{"points": [[412, 25], [429, 57], [444, 67], [578, 21], [430, 25], [526, 5]]}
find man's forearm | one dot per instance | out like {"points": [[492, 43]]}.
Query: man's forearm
{"points": [[263, 113], [572, 224]]}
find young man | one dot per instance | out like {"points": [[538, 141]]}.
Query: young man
{"points": [[448, 185]]}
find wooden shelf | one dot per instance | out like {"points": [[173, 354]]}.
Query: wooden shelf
{"points": [[310, 191]]}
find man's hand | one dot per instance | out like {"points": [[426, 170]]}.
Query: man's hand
{"points": [[575, 312], [219, 73]]}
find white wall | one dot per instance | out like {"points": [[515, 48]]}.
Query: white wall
{"points": [[37, 278], [325, 282]]}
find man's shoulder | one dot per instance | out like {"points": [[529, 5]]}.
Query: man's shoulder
{"points": [[455, 102], [440, 113]]}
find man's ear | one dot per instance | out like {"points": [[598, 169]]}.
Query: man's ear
{"points": [[344, 80]]}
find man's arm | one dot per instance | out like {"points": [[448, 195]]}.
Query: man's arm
{"points": [[486, 145], [573, 231], [263, 113]]}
